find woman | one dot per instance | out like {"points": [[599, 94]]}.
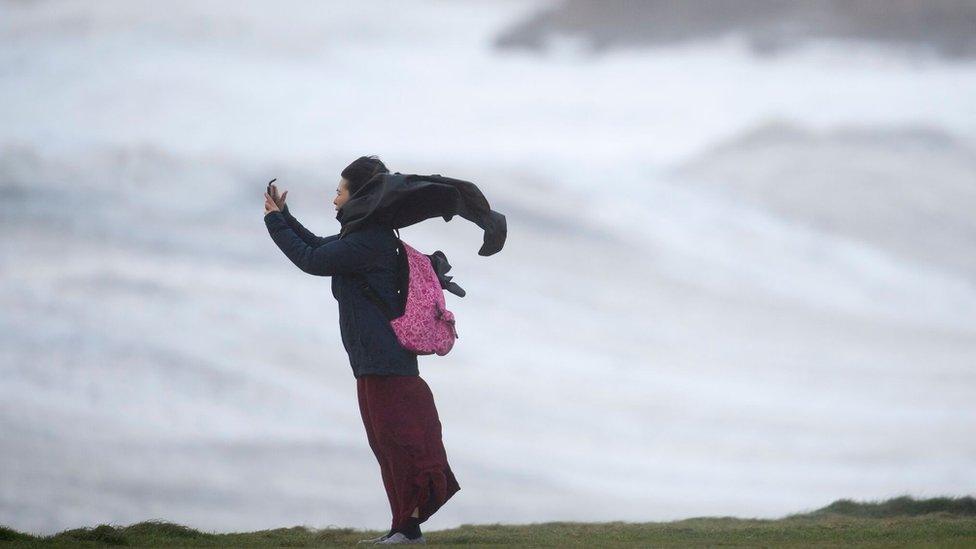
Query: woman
{"points": [[396, 404]]}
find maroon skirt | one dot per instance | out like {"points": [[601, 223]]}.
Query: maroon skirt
{"points": [[405, 434]]}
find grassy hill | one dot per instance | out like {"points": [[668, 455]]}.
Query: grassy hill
{"points": [[898, 522]]}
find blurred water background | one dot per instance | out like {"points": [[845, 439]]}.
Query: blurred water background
{"points": [[739, 275]]}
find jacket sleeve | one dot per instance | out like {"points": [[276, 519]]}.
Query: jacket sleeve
{"points": [[337, 256], [306, 235]]}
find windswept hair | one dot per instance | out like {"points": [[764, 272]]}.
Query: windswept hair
{"points": [[361, 170]]}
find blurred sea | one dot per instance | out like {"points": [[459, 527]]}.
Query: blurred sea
{"points": [[734, 283]]}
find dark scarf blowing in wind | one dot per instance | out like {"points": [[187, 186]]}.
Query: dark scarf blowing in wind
{"points": [[399, 200]]}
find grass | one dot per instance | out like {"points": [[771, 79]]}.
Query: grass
{"points": [[898, 522]]}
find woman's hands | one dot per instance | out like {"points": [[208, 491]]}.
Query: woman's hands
{"points": [[269, 204], [274, 202], [279, 200]]}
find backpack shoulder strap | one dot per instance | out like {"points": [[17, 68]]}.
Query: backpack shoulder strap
{"points": [[401, 280], [373, 296]]}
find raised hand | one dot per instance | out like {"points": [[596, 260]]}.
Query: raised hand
{"points": [[269, 204], [279, 200]]}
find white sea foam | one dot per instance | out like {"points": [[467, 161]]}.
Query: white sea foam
{"points": [[648, 345]]}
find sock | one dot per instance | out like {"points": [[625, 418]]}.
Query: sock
{"points": [[411, 528]]}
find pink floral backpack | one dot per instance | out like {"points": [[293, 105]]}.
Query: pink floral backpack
{"points": [[426, 326]]}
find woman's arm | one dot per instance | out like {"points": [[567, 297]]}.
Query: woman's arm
{"points": [[306, 235], [351, 254]]}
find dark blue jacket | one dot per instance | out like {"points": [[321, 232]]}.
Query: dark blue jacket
{"points": [[367, 336]]}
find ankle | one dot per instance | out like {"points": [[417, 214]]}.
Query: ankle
{"points": [[411, 528]]}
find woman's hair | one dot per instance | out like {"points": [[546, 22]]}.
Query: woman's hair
{"points": [[362, 170]]}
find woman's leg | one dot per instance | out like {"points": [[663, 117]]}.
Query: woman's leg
{"points": [[408, 430], [363, 393]]}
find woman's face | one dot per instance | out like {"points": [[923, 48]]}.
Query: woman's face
{"points": [[342, 193]]}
